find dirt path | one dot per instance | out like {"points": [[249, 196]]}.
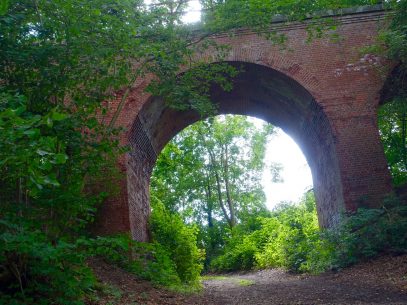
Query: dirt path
{"points": [[278, 287], [383, 281]]}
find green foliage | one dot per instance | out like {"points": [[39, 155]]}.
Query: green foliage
{"points": [[179, 240], [259, 15], [291, 239], [26, 136], [149, 261], [33, 271], [392, 44], [245, 282], [293, 232], [370, 232], [45, 162], [285, 239], [395, 35], [54, 149], [393, 132], [210, 174], [238, 255], [61, 64], [192, 86]]}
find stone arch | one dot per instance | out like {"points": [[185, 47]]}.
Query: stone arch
{"points": [[344, 100], [258, 91]]}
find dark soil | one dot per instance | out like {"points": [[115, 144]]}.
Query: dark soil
{"points": [[382, 281]]}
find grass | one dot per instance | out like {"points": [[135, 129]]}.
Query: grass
{"points": [[214, 277], [183, 288], [245, 282], [103, 289], [240, 282]]}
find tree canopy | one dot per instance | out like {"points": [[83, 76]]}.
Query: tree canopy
{"points": [[211, 175]]}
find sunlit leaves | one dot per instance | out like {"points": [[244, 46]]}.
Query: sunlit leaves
{"points": [[180, 240], [286, 238], [393, 131]]}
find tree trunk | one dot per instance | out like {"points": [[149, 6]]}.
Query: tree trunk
{"points": [[227, 186], [219, 189], [404, 136], [209, 204]]}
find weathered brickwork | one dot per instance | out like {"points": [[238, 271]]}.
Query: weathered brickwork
{"points": [[311, 90]]}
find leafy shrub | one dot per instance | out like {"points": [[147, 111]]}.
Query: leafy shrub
{"points": [[33, 271], [149, 261], [369, 232], [179, 240], [286, 239], [291, 238], [292, 233], [238, 255]]}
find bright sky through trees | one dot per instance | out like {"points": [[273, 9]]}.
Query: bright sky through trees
{"points": [[193, 14], [295, 174]]}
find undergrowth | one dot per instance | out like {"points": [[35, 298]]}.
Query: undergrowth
{"points": [[36, 270], [292, 239]]}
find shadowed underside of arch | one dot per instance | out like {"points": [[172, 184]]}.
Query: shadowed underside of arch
{"points": [[258, 91]]}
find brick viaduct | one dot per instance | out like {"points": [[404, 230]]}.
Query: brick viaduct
{"points": [[321, 93]]}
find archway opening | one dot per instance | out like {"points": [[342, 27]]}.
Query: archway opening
{"points": [[263, 162], [258, 91], [227, 177]]}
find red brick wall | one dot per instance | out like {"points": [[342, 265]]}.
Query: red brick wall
{"points": [[328, 106]]}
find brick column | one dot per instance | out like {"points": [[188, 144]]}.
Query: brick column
{"points": [[113, 215], [138, 186], [362, 164]]}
